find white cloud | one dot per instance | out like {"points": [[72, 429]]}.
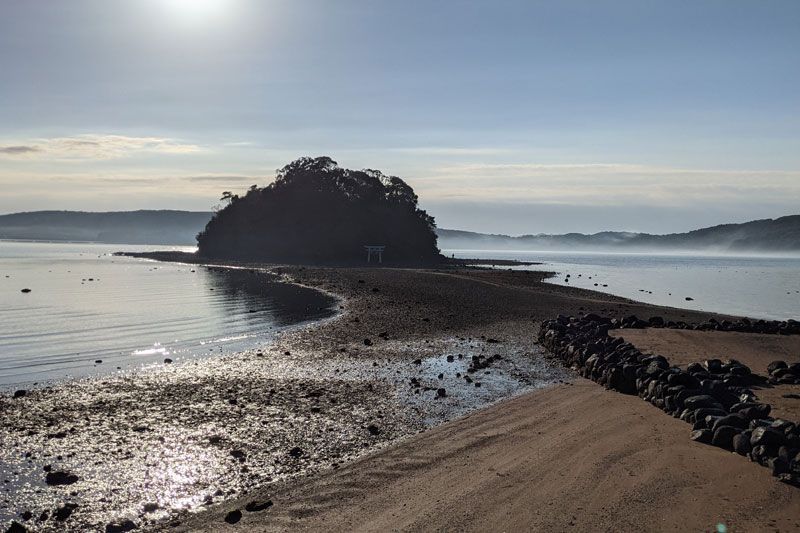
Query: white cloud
{"points": [[95, 147]]}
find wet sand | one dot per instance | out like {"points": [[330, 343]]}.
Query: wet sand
{"points": [[287, 427]]}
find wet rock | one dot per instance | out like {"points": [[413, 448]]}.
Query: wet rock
{"points": [[151, 507], [373, 429], [65, 511], [61, 477], [257, 505], [20, 393], [367, 342], [441, 393], [450, 358], [25, 290], [233, 516], [120, 526], [296, 451], [167, 361], [27, 515], [16, 527]]}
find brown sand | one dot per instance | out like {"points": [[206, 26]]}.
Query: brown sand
{"points": [[568, 458], [756, 351]]}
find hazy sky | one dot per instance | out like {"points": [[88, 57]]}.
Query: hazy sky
{"points": [[505, 116]]}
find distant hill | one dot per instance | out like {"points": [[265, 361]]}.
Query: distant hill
{"points": [[121, 227], [779, 235]]}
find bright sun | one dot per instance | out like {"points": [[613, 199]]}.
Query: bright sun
{"points": [[197, 9]]}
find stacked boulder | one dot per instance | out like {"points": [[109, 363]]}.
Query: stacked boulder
{"points": [[713, 396], [743, 325], [781, 373]]}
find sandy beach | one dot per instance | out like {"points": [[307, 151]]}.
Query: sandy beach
{"points": [[568, 456]]}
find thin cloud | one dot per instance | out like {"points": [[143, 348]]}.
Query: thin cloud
{"points": [[213, 178], [19, 150], [100, 147], [606, 184]]}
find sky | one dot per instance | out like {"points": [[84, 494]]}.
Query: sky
{"points": [[505, 116]]}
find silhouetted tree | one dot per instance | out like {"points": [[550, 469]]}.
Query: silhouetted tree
{"points": [[318, 212]]}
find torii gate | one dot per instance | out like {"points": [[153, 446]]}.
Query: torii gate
{"points": [[375, 249]]}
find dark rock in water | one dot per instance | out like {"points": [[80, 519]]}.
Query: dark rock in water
{"points": [[167, 361], [120, 527], [61, 478], [233, 516], [441, 393], [20, 393], [256, 506], [417, 361], [64, 511], [16, 527], [689, 298], [44, 516], [25, 290], [151, 507], [296, 451], [27, 515], [450, 358], [492, 341], [723, 436], [373, 429], [367, 342], [775, 365], [702, 435], [741, 444], [767, 436], [98, 361]]}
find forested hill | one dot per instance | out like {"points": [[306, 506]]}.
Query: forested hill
{"points": [[780, 235], [122, 227]]}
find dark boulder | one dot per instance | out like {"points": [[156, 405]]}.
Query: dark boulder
{"points": [[233, 516], [700, 401], [61, 478], [723, 436], [20, 393], [702, 435], [778, 466], [16, 527], [767, 436], [65, 511], [120, 526], [732, 420], [257, 505], [775, 365], [741, 444]]}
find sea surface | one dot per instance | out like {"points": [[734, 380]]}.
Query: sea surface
{"points": [[89, 312], [753, 286]]}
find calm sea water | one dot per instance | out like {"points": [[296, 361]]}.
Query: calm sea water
{"points": [[87, 305], [757, 287]]}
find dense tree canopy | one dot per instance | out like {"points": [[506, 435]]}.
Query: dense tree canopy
{"points": [[317, 212]]}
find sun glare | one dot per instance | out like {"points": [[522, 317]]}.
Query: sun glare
{"points": [[197, 10]]}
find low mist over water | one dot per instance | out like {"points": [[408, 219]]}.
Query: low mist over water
{"points": [[753, 286], [86, 305]]}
